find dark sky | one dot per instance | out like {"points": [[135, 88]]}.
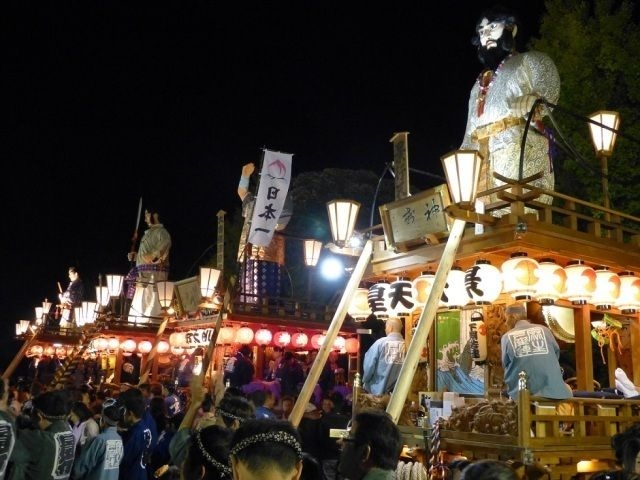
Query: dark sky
{"points": [[105, 102]]}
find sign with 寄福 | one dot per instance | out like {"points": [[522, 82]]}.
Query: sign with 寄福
{"points": [[416, 220]]}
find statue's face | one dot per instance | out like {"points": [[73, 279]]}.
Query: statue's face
{"points": [[490, 32]]}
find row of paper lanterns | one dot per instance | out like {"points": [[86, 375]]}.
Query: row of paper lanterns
{"points": [[522, 277], [262, 337]]}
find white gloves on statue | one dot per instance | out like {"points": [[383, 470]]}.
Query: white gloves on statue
{"points": [[625, 385], [521, 106]]}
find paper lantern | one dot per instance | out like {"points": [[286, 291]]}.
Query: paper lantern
{"points": [[36, 350], [102, 296], [455, 294], [129, 345], [244, 335], [423, 284], [483, 282], [339, 343], [352, 345], [607, 288], [377, 299], [401, 296], [629, 299], [49, 350], [114, 284], [263, 336], [552, 280], [113, 343], [282, 338], [299, 340], [177, 339], [145, 346], [520, 276], [581, 282], [163, 347], [177, 350], [225, 335], [359, 306], [317, 340], [61, 352], [101, 344]]}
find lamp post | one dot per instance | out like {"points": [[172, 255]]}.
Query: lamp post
{"points": [[312, 250], [604, 130], [462, 169], [342, 219]]}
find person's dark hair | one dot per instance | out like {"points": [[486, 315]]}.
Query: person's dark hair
{"points": [[488, 470], [498, 13], [112, 412], [209, 450], [82, 411], [377, 429], [233, 392], [133, 401], [53, 405], [158, 411], [73, 269], [311, 468], [234, 408], [258, 397], [619, 440], [265, 443], [245, 350], [288, 355]]}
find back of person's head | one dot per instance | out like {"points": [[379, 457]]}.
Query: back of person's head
{"points": [[53, 405], [232, 409], [155, 389], [377, 429], [233, 392], [394, 324], [81, 410], [245, 350], [208, 454], [311, 468], [515, 312], [630, 451], [266, 447], [258, 397], [133, 401], [288, 356], [488, 470], [112, 412]]}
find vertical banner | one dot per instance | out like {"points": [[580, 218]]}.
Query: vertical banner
{"points": [[272, 192]]}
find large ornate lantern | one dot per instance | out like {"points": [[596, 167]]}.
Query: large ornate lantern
{"points": [[359, 307], [629, 299], [455, 294], [423, 284], [401, 297]]}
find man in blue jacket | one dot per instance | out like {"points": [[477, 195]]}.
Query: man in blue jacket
{"points": [[140, 437], [384, 359]]}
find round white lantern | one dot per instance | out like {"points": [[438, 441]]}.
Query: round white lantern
{"points": [[483, 282], [299, 340], [552, 280], [359, 306], [401, 298], [263, 336], [607, 288], [520, 276], [423, 284], [581, 282], [629, 299], [377, 299], [282, 338], [244, 335], [455, 294]]}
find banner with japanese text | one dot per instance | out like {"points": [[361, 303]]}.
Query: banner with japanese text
{"points": [[272, 192]]}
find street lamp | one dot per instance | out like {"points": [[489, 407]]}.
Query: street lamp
{"points": [[208, 282], [604, 130], [312, 250], [342, 218]]}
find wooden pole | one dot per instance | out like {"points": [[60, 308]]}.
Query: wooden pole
{"points": [[408, 370], [152, 353], [336, 323], [6, 375]]}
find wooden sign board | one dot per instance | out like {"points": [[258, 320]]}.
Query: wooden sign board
{"points": [[416, 220]]}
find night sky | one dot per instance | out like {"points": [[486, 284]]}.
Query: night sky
{"points": [[105, 102]]}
